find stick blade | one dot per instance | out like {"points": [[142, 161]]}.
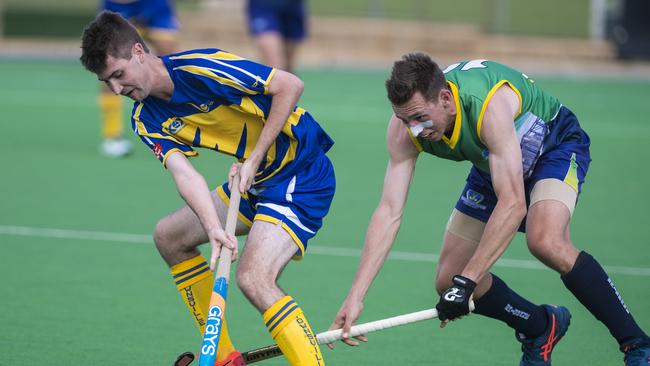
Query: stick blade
{"points": [[184, 359]]}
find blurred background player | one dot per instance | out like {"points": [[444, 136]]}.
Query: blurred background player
{"points": [[215, 100], [277, 26], [156, 22]]}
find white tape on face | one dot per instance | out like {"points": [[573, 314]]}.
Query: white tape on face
{"points": [[417, 129]]}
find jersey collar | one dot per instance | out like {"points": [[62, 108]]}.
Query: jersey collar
{"points": [[455, 135]]}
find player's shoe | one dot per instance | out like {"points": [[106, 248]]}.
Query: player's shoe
{"points": [[537, 351], [637, 352], [115, 148], [234, 359]]}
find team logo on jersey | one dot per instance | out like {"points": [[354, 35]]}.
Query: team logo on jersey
{"points": [[157, 150], [176, 125], [473, 199]]}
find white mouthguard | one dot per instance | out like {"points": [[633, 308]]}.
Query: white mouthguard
{"points": [[417, 129]]}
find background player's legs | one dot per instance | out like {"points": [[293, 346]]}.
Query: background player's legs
{"points": [[290, 48], [177, 237], [549, 240], [113, 144], [272, 49], [164, 41], [268, 250], [492, 297]]}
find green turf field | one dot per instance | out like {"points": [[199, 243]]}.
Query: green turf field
{"points": [[94, 291]]}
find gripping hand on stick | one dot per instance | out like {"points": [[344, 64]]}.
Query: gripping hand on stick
{"points": [[455, 301], [346, 317]]}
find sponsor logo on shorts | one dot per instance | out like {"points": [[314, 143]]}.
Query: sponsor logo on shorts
{"points": [[473, 199]]}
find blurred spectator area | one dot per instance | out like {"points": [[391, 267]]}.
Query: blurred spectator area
{"points": [[365, 32]]}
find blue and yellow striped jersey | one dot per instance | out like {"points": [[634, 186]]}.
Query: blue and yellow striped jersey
{"points": [[221, 102]]}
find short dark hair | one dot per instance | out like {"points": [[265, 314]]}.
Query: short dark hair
{"points": [[109, 34], [415, 72]]}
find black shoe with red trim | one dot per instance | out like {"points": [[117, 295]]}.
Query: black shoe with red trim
{"points": [[537, 351], [637, 352]]}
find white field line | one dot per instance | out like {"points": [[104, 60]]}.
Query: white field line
{"points": [[317, 250]]}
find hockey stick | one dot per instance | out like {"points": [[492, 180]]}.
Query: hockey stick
{"points": [[217, 307], [330, 336]]}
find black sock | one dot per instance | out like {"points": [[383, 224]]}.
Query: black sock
{"points": [[501, 303], [595, 290]]}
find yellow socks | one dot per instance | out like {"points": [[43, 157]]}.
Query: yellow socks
{"points": [[111, 110], [194, 282], [284, 319], [290, 330]]}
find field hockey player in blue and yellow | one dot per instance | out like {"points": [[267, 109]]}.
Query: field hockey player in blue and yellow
{"points": [[215, 100]]}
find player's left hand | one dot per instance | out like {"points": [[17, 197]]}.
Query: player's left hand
{"points": [[454, 302], [247, 173], [234, 169]]}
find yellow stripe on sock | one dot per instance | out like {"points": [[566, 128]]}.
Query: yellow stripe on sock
{"points": [[194, 281], [291, 331], [279, 314]]}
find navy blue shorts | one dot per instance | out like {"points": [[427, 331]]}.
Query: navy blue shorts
{"points": [[565, 157], [287, 17], [300, 203], [150, 14]]}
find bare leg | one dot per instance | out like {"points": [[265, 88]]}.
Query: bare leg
{"points": [[454, 255], [164, 46], [271, 47], [547, 233], [290, 48], [268, 250], [549, 240], [178, 234], [492, 297]]}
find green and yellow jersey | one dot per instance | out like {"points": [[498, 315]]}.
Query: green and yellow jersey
{"points": [[473, 83]]}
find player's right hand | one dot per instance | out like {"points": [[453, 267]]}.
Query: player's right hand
{"points": [[455, 301], [218, 238], [347, 315]]}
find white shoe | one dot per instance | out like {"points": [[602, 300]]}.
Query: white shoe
{"points": [[115, 148]]}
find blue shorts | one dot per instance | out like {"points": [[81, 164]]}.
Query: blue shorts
{"points": [[299, 203], [287, 17], [149, 14], [566, 157]]}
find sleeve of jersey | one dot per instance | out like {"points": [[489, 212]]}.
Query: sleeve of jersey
{"points": [[160, 143], [224, 74]]}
